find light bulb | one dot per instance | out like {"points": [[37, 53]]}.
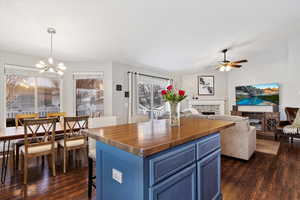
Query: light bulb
{"points": [[61, 66], [42, 63], [50, 60], [51, 69], [222, 69], [42, 71], [227, 69], [39, 65], [60, 72]]}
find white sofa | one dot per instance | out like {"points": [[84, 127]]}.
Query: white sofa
{"points": [[238, 141]]}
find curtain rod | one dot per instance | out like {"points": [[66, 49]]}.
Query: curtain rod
{"points": [[150, 75]]}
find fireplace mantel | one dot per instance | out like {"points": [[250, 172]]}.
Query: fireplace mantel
{"points": [[209, 102]]}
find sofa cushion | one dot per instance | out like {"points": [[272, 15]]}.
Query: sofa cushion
{"points": [[241, 123], [197, 116]]}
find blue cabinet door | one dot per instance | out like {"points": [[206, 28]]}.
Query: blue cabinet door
{"points": [[209, 177], [181, 186]]}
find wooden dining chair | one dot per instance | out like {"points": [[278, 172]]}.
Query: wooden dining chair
{"points": [[39, 135], [74, 139], [19, 119], [58, 115]]}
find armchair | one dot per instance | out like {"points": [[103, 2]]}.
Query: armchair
{"points": [[290, 115]]}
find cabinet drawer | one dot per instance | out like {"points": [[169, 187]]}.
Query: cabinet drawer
{"points": [[208, 145], [168, 164]]}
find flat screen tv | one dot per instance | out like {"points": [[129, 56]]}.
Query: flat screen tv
{"points": [[258, 95]]}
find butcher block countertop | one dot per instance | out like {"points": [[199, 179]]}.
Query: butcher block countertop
{"points": [[148, 138]]}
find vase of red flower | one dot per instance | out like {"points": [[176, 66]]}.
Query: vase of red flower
{"points": [[174, 97]]}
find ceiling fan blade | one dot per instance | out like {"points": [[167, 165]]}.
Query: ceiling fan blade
{"points": [[236, 66], [240, 61]]}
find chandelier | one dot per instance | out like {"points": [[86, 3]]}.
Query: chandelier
{"points": [[49, 64]]}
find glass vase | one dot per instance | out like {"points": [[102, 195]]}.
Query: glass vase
{"points": [[174, 114]]}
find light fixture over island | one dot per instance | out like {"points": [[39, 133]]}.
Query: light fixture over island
{"points": [[154, 161]]}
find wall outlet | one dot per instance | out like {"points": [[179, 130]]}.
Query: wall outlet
{"points": [[117, 176]]}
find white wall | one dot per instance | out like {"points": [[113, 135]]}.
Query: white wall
{"points": [[277, 63], [189, 83], [120, 76], [273, 58]]}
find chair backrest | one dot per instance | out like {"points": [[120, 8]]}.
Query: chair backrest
{"points": [[58, 115], [21, 117], [73, 127], [39, 132], [291, 113]]}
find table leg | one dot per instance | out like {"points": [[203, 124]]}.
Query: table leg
{"points": [[5, 156]]}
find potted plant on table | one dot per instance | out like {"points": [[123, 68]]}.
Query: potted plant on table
{"points": [[174, 97]]}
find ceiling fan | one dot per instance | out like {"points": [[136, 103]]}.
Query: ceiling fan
{"points": [[227, 65]]}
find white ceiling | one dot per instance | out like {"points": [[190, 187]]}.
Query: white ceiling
{"points": [[170, 34]]}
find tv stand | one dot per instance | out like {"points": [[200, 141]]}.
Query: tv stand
{"points": [[265, 122]]}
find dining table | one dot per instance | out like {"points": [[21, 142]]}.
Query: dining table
{"points": [[10, 134]]}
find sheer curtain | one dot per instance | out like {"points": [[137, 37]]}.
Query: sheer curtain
{"points": [[132, 85]]}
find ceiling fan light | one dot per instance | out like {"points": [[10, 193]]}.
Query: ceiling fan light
{"points": [[227, 68], [42, 71], [222, 69]]}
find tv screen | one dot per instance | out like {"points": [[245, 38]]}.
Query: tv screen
{"points": [[258, 95]]}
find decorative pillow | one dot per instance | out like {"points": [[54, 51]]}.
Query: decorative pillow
{"points": [[192, 111], [296, 122], [241, 123]]}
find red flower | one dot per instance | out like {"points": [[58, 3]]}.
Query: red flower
{"points": [[170, 87], [181, 92], [163, 92]]}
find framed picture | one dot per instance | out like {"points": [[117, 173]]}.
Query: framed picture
{"points": [[206, 85]]}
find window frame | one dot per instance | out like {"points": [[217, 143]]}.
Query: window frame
{"points": [[86, 75], [151, 81], [29, 72]]}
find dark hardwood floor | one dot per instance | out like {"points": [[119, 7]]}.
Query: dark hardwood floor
{"points": [[264, 177], [43, 186]]}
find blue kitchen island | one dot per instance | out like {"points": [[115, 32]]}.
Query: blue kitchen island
{"points": [[153, 161]]}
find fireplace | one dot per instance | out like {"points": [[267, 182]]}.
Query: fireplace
{"points": [[208, 113], [208, 107]]}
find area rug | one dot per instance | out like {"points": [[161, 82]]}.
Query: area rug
{"points": [[267, 146]]}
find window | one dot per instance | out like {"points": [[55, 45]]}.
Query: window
{"points": [[150, 101], [27, 92], [20, 95], [89, 94], [48, 98]]}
